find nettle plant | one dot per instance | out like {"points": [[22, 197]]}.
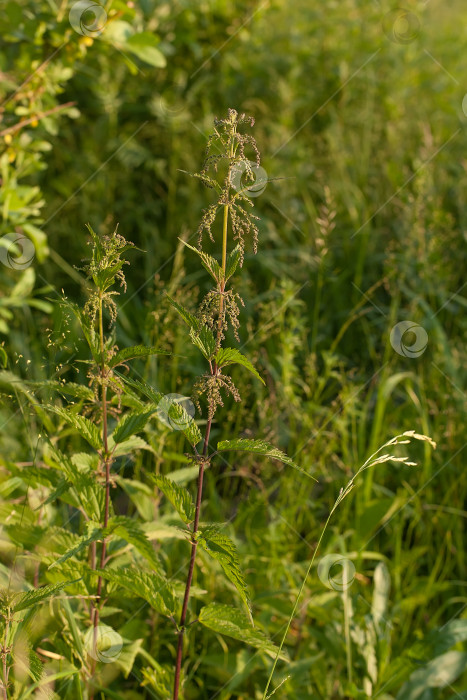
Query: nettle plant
{"points": [[117, 602], [218, 311], [103, 558]]}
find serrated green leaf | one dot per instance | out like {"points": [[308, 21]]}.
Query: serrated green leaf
{"points": [[128, 446], [179, 497], [132, 423], [36, 668], [220, 547], [79, 391], [159, 678], [61, 462], [71, 569], [233, 623], [154, 588], [160, 531], [229, 356], [89, 494], [188, 317], [169, 409], [120, 526], [57, 539], [94, 532], [260, 447], [84, 426], [91, 497], [88, 463], [37, 595], [62, 487], [178, 418], [205, 341], [130, 531], [232, 261], [142, 386], [208, 262], [134, 352]]}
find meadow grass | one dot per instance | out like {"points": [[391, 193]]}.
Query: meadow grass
{"points": [[364, 230]]}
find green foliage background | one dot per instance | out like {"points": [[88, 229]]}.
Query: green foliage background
{"points": [[350, 116]]}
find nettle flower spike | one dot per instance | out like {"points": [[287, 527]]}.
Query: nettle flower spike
{"points": [[207, 332], [227, 144], [105, 270], [211, 314]]}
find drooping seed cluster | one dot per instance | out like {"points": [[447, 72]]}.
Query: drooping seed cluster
{"points": [[227, 148], [105, 269], [210, 386], [231, 146], [209, 313]]}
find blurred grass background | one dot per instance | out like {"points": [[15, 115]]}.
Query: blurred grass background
{"points": [[359, 114]]}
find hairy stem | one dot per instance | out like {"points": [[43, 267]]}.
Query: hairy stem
{"points": [[225, 227], [106, 463], [6, 670], [194, 543]]}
